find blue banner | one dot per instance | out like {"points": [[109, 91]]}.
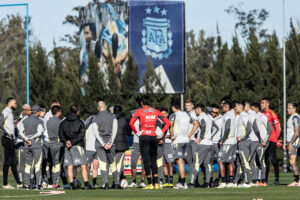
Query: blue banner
{"points": [[156, 31]]}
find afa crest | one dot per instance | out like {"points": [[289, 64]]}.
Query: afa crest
{"points": [[156, 35]]}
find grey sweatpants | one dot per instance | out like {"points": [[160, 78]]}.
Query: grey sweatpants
{"points": [[107, 158], [160, 160], [261, 157], [33, 157], [191, 148], [252, 159], [21, 162], [243, 161], [120, 162], [57, 152], [202, 155]]}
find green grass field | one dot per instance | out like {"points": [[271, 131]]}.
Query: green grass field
{"points": [[266, 193]]}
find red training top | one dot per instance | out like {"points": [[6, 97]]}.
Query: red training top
{"points": [[275, 124], [148, 117]]}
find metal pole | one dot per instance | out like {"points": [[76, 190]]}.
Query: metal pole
{"points": [[27, 51], [284, 92], [181, 101]]}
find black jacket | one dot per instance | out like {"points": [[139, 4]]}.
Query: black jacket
{"points": [[121, 140], [73, 129]]}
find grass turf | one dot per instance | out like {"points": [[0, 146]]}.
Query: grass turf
{"points": [[265, 193]]}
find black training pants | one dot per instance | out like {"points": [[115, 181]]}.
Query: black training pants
{"points": [[10, 159], [148, 148], [271, 154]]}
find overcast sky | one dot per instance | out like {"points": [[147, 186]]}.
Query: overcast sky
{"points": [[48, 15]]}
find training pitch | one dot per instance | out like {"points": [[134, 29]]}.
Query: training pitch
{"points": [[265, 193]]}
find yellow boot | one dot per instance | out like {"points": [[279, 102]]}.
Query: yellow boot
{"points": [[156, 186], [149, 187]]}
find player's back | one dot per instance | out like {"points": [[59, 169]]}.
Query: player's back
{"points": [[148, 118], [181, 121]]}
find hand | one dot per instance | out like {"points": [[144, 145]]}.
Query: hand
{"points": [[29, 142], [107, 146], [284, 147], [239, 138], [291, 149], [197, 141], [221, 143], [173, 138], [68, 144], [139, 133], [264, 144], [160, 141]]}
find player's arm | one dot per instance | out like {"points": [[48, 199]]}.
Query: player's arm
{"points": [[132, 121], [256, 130], [2, 120], [269, 130], [94, 127], [296, 122], [195, 127], [39, 132], [21, 131], [167, 123], [214, 127], [114, 131], [226, 130], [247, 124], [202, 129], [277, 124]]}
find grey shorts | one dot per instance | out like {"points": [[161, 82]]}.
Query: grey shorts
{"points": [[168, 153], [135, 155], [295, 147], [227, 153], [180, 151], [75, 156], [91, 156]]}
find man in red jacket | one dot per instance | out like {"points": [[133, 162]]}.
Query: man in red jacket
{"points": [[276, 130], [148, 139]]}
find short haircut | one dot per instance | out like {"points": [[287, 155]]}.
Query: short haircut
{"points": [[214, 105], [189, 101], [228, 103], [54, 101], [55, 110], [201, 106], [176, 104], [42, 106], [26, 106], [295, 105], [226, 98], [240, 103], [164, 109], [246, 102], [117, 109], [256, 105], [74, 108], [9, 99], [145, 99], [266, 99]]}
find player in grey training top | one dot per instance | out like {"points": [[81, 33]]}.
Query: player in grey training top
{"points": [[293, 141], [217, 119], [203, 145], [105, 130], [254, 144], [135, 156], [243, 137], [179, 131], [227, 144], [31, 130], [191, 147], [262, 128], [56, 147], [19, 143]]}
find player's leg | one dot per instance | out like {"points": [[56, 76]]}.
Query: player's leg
{"points": [[38, 158], [168, 164], [274, 160], [252, 158], [111, 160], [294, 166], [145, 153], [244, 158], [261, 152], [207, 165], [55, 155], [120, 163], [223, 159], [189, 159], [95, 170], [153, 160], [21, 163], [28, 165], [160, 157], [135, 154]]}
